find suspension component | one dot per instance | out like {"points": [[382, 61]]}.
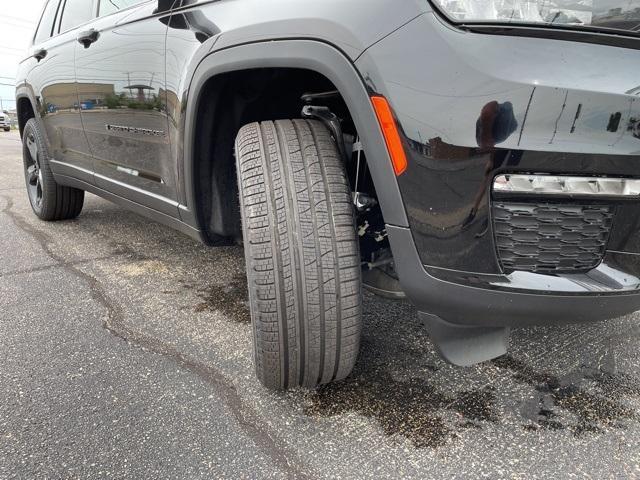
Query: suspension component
{"points": [[333, 123]]}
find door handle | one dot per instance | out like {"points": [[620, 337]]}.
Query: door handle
{"points": [[40, 54], [89, 37]]}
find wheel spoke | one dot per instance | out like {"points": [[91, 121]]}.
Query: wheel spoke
{"points": [[33, 148], [38, 191], [32, 175]]}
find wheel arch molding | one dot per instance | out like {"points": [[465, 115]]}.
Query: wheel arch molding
{"points": [[315, 56], [25, 106]]}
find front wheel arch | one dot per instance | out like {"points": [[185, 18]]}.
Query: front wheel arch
{"points": [[311, 55], [25, 110]]}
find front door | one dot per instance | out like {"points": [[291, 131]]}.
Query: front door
{"points": [[120, 66]]}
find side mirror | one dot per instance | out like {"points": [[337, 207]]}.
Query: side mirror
{"points": [[166, 5], [177, 21], [163, 6], [196, 21]]}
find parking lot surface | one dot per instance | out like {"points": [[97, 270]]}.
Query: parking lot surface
{"points": [[125, 352]]}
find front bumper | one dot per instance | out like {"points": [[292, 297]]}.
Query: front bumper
{"points": [[573, 108], [471, 302]]}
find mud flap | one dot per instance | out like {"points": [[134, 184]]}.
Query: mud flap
{"points": [[466, 345]]}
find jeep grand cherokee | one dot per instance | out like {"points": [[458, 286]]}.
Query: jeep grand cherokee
{"points": [[479, 157]]}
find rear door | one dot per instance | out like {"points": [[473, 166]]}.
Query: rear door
{"points": [[120, 65], [52, 79]]}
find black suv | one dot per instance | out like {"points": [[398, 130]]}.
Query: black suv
{"points": [[481, 158]]}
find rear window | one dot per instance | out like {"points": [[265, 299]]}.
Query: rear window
{"points": [[76, 12], [45, 28]]}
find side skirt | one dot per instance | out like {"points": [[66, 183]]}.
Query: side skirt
{"points": [[147, 212]]}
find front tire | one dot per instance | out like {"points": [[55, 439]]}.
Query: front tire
{"points": [[302, 254], [49, 201]]}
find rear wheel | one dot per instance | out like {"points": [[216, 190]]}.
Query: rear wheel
{"points": [[301, 247], [49, 200]]}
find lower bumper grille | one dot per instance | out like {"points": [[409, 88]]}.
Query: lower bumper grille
{"points": [[549, 237]]}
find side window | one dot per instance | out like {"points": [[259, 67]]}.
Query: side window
{"points": [[111, 6], [76, 12], [45, 28]]}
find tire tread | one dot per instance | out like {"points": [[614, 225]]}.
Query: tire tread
{"points": [[302, 253]]}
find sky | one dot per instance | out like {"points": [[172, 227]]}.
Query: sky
{"points": [[18, 21]]}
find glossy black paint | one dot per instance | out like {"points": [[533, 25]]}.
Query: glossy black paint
{"points": [[466, 182], [121, 90], [52, 82], [473, 106]]}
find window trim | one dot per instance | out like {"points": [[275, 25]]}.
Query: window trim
{"points": [[57, 23], [59, 20], [53, 25]]}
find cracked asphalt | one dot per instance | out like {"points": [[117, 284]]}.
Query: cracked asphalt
{"points": [[125, 352]]}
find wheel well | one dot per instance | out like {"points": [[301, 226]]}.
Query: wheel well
{"points": [[232, 100], [25, 112], [228, 102]]}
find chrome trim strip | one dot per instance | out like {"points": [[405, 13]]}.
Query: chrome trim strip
{"points": [[75, 167], [166, 200], [567, 185]]}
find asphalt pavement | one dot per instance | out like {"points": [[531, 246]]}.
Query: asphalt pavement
{"points": [[125, 352]]}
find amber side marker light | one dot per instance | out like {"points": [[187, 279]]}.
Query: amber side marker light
{"points": [[391, 134]]}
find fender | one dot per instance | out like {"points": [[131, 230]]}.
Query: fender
{"points": [[24, 90], [301, 54]]}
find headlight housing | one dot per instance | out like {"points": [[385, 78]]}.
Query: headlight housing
{"points": [[623, 15]]}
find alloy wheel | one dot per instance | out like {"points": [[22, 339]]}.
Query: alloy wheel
{"points": [[33, 170]]}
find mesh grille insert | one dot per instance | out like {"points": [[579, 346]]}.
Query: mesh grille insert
{"points": [[548, 237]]}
